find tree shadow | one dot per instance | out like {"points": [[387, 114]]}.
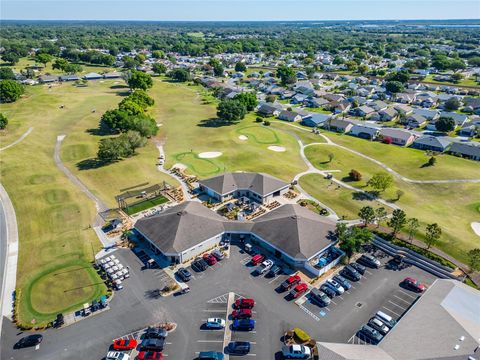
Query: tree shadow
{"points": [[123, 93], [367, 195], [102, 130], [93, 163], [119, 86], [215, 123]]}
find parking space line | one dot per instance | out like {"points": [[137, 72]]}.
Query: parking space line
{"points": [[409, 295], [393, 312], [209, 341], [333, 302], [368, 272], [399, 298], [214, 311], [395, 304], [315, 317]]}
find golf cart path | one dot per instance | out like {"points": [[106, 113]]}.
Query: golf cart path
{"points": [[18, 140]]}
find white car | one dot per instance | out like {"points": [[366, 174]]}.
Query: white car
{"points": [[265, 266], [296, 352], [215, 323], [116, 355], [335, 286]]}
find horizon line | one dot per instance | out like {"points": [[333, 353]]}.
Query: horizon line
{"points": [[265, 20]]}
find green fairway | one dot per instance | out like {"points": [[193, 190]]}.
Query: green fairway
{"points": [[133, 209], [303, 133], [260, 134]]}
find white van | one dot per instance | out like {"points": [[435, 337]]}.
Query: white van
{"points": [[386, 319]]}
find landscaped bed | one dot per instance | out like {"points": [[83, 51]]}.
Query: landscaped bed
{"points": [[133, 209]]}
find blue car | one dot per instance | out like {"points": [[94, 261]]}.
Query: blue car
{"points": [[342, 281], [239, 347], [244, 324], [210, 355]]}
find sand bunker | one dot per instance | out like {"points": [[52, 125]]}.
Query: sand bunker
{"points": [[277, 148], [476, 227], [179, 166], [243, 137], [209, 154]]}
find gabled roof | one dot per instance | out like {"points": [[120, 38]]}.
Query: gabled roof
{"points": [[396, 133], [339, 123], [357, 128], [437, 141], [260, 183], [466, 148], [288, 115]]}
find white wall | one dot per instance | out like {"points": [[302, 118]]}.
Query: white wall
{"points": [[200, 248]]}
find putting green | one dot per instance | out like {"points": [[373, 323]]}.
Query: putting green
{"points": [[260, 134], [201, 166]]}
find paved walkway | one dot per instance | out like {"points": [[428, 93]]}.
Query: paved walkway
{"points": [[18, 140]]}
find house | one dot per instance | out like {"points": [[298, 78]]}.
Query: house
{"points": [[363, 111], [340, 107], [316, 120], [69, 78], [469, 150], [92, 76], [268, 110], [339, 125], [334, 97], [378, 105], [299, 99], [397, 136], [404, 98], [364, 131], [433, 143], [470, 129], [315, 102], [426, 113], [415, 121], [290, 116], [388, 114], [45, 79], [460, 119], [403, 109], [112, 75]]}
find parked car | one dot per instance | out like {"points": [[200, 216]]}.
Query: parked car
{"points": [[257, 259], [199, 264], [215, 323], [244, 303], [244, 324], [386, 319], [351, 273], [59, 321], [339, 290], [369, 260], [298, 290], [290, 282], [155, 333], [149, 355], [371, 334], [210, 355], [342, 281], [184, 274], [413, 284], [238, 347], [115, 355], [264, 267], [296, 352], [28, 341], [123, 345], [378, 325], [210, 259], [319, 297], [360, 268], [274, 271], [328, 290], [242, 314], [152, 344], [218, 254]]}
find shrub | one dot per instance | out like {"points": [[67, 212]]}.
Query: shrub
{"points": [[266, 123], [301, 335], [355, 175], [258, 119]]}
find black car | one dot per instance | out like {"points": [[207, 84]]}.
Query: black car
{"points": [[370, 261], [152, 344], [360, 268], [371, 334], [342, 281], [184, 274], [328, 290], [351, 273], [28, 341], [319, 297], [155, 333], [239, 347], [274, 271], [199, 264]]}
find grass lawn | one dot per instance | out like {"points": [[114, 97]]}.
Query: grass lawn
{"points": [[464, 82], [409, 162], [190, 128], [146, 205], [306, 136], [449, 205]]}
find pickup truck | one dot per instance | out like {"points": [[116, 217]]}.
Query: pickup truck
{"points": [[290, 282]]}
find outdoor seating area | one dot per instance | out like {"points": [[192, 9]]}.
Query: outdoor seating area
{"points": [[327, 258]]}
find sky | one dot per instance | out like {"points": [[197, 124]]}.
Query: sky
{"points": [[231, 10]]}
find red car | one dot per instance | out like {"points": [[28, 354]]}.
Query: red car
{"points": [[299, 290], [291, 282], [257, 259], [244, 304], [124, 344], [210, 259], [413, 284], [242, 314], [149, 355]]}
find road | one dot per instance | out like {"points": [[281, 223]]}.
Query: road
{"points": [[3, 254]]}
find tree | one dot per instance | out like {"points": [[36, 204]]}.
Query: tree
{"points": [[355, 175], [432, 234], [159, 68], [394, 87], [6, 73], [60, 64], [400, 76], [158, 54], [432, 161], [108, 150], [400, 193], [43, 58], [240, 67], [270, 98], [180, 75], [353, 241], [249, 99], [380, 214], [412, 226], [380, 181], [72, 68], [397, 221], [330, 157], [141, 98], [341, 231], [445, 124], [3, 121], [231, 110], [456, 77], [130, 107], [116, 120], [11, 58], [474, 259], [351, 65], [217, 66], [452, 104], [10, 91], [145, 125], [362, 68], [139, 80], [286, 74], [367, 214]]}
